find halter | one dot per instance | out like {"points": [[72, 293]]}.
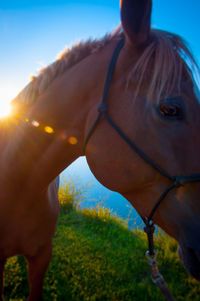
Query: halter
{"points": [[177, 181]]}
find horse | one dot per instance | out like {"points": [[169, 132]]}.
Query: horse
{"points": [[141, 139]]}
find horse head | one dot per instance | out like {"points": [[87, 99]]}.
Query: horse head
{"points": [[149, 137]]}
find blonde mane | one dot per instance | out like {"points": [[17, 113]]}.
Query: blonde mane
{"points": [[66, 59], [161, 65]]}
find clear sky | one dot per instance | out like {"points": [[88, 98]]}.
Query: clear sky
{"points": [[34, 32]]}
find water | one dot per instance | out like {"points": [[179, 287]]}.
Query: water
{"points": [[93, 193]]}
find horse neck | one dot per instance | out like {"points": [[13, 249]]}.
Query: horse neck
{"points": [[34, 157]]}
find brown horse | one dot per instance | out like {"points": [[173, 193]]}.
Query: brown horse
{"points": [[152, 98]]}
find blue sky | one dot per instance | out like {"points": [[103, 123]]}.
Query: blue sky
{"points": [[34, 32]]}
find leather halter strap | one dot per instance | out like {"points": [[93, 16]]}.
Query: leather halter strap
{"points": [[177, 181]]}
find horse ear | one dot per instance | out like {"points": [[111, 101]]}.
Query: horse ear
{"points": [[136, 20]]}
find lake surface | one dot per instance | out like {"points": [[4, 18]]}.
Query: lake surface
{"points": [[94, 193]]}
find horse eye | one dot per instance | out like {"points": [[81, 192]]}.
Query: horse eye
{"points": [[173, 111]]}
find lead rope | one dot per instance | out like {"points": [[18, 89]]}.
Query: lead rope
{"points": [[178, 181], [151, 256]]}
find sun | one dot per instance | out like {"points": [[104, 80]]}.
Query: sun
{"points": [[5, 109], [6, 95]]}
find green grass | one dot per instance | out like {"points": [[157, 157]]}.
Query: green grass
{"points": [[96, 257]]}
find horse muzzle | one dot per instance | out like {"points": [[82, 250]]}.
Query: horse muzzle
{"points": [[191, 260]]}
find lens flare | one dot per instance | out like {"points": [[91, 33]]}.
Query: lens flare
{"points": [[49, 129], [72, 140], [35, 123]]}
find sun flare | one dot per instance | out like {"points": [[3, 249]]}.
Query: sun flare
{"points": [[5, 109], [6, 95]]}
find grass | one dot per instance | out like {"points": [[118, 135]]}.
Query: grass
{"points": [[96, 257]]}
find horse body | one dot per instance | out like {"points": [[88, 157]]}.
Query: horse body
{"points": [[30, 226], [152, 98], [28, 216], [27, 200]]}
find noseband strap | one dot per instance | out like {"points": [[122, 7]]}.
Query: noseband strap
{"points": [[177, 181]]}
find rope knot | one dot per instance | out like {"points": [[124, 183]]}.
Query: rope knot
{"points": [[102, 108], [179, 181], [149, 229]]}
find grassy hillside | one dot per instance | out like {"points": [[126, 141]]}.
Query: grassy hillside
{"points": [[96, 257]]}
